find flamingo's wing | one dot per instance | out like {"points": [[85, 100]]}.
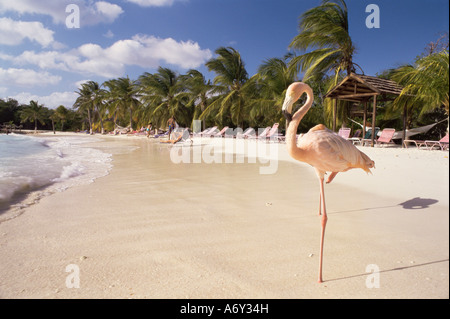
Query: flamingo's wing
{"points": [[328, 152]]}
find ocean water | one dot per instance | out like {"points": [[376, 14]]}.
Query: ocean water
{"points": [[33, 167]]}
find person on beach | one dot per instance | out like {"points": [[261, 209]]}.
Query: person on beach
{"points": [[180, 135], [174, 140], [171, 124], [149, 129]]}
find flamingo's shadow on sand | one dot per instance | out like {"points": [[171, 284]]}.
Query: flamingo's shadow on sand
{"points": [[392, 269], [414, 203]]}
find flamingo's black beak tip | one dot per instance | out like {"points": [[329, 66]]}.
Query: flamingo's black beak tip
{"points": [[287, 115]]}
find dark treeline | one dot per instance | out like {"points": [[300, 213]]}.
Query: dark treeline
{"points": [[34, 116]]}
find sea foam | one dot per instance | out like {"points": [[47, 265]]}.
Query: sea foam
{"points": [[33, 167]]}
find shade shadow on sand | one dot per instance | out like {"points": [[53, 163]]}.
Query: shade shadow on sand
{"points": [[414, 203], [418, 203], [391, 270]]}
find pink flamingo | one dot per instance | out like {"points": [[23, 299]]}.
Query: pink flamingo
{"points": [[321, 148]]}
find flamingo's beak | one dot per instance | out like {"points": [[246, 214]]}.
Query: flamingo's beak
{"points": [[287, 108], [287, 115]]}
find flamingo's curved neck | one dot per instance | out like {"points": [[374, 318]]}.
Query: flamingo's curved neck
{"points": [[291, 132]]}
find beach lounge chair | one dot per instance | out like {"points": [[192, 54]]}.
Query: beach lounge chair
{"points": [[281, 138], [221, 133], [247, 133], [386, 136], [344, 132], [418, 143], [368, 137], [356, 137], [232, 133], [263, 134], [198, 134], [209, 131], [442, 143], [273, 133]]}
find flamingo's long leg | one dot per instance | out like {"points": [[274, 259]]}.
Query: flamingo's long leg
{"points": [[323, 223], [320, 204]]}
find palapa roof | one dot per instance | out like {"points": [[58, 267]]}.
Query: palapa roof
{"points": [[358, 88]]}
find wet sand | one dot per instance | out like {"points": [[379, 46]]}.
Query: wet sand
{"points": [[155, 229]]}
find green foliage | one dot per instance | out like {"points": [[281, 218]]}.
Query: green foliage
{"points": [[122, 98], [164, 97], [33, 113], [232, 89], [426, 83], [325, 30]]}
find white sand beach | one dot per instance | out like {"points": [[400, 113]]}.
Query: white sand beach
{"points": [[155, 229]]}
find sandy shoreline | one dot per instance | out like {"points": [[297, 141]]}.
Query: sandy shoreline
{"points": [[155, 229]]}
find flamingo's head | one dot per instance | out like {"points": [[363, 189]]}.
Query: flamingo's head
{"points": [[293, 93]]}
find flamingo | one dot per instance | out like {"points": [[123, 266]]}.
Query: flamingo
{"points": [[321, 148]]}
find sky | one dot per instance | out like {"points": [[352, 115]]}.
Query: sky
{"points": [[45, 54]]}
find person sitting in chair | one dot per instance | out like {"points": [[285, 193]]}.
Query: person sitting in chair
{"points": [[174, 140]]}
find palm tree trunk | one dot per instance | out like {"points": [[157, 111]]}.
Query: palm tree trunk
{"points": [[101, 120], [131, 119], [101, 124], [90, 122], [202, 108], [35, 125]]}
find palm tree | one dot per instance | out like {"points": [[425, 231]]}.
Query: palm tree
{"points": [[34, 113], [272, 80], [231, 82], [425, 83], [165, 97], [199, 90], [51, 115], [124, 96], [83, 104], [325, 30], [90, 99], [61, 114]]}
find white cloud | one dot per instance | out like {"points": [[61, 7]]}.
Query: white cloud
{"points": [[90, 12], [186, 54], [79, 83], [51, 101], [153, 3], [109, 34], [26, 77], [108, 10], [140, 50], [14, 32]]}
